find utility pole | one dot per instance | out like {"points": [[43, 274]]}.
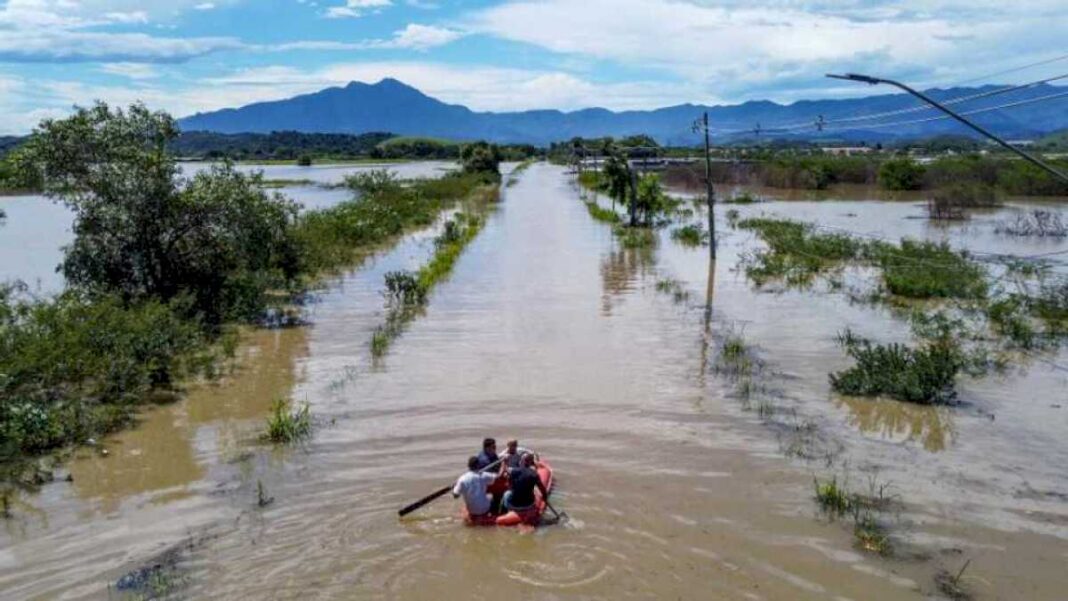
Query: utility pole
{"points": [[710, 194], [878, 80]]}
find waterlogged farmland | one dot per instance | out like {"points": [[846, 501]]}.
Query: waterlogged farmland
{"points": [[686, 411]]}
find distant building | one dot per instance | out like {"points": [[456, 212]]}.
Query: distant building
{"points": [[846, 150]]}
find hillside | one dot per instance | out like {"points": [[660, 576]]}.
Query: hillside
{"points": [[390, 105]]}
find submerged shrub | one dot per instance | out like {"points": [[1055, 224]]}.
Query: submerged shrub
{"points": [[690, 235], [949, 202], [920, 269], [602, 214], [796, 253], [404, 287], [75, 367], [926, 375], [635, 237], [1038, 223]]}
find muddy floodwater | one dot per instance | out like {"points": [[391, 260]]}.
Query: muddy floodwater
{"points": [[549, 331]]}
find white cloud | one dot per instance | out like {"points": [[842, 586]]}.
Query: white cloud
{"points": [[412, 37], [64, 31], [355, 8], [747, 46], [422, 37], [136, 71], [204, 6], [78, 46]]}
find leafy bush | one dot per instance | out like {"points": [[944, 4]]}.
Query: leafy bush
{"points": [[926, 375], [901, 174], [481, 157], [75, 366]]}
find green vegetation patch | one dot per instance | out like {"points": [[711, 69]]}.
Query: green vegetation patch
{"points": [[925, 375], [74, 367], [796, 252], [916, 269], [285, 424], [690, 235], [635, 237]]}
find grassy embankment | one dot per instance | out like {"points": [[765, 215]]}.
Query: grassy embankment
{"points": [[964, 322], [407, 293]]}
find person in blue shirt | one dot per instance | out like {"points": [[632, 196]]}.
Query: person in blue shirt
{"points": [[488, 456]]}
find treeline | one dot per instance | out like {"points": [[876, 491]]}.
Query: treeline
{"points": [[280, 145], [636, 146], [308, 148], [890, 172], [162, 267]]}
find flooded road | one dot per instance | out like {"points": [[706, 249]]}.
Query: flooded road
{"points": [[548, 331]]}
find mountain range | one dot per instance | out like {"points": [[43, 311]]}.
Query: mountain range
{"points": [[393, 106]]}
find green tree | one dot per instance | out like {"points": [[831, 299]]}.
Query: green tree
{"points": [[619, 182], [481, 157], [901, 174], [143, 232], [648, 198]]}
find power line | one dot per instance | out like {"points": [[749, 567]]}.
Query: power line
{"points": [[972, 112], [1014, 69], [916, 109]]}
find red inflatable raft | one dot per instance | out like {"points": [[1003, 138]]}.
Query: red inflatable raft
{"points": [[528, 517]]}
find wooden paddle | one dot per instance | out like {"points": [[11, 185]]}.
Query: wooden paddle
{"points": [[427, 499]]}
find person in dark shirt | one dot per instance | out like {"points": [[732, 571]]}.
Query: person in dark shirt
{"points": [[488, 456], [522, 481]]}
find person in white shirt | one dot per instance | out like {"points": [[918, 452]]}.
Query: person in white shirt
{"points": [[514, 453], [472, 487]]}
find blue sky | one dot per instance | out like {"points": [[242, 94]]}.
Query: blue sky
{"points": [[195, 55]]}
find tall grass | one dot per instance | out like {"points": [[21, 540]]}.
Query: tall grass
{"points": [[285, 425], [408, 292], [602, 214]]}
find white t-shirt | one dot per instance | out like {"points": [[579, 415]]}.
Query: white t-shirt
{"points": [[512, 460], [472, 486]]}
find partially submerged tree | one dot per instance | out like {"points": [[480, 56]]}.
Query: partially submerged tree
{"points": [[143, 231], [481, 157]]}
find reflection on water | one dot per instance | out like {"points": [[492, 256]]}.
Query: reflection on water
{"points": [[171, 444], [620, 271], [897, 421]]}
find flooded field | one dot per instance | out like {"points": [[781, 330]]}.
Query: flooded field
{"points": [[36, 228], [549, 331]]}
